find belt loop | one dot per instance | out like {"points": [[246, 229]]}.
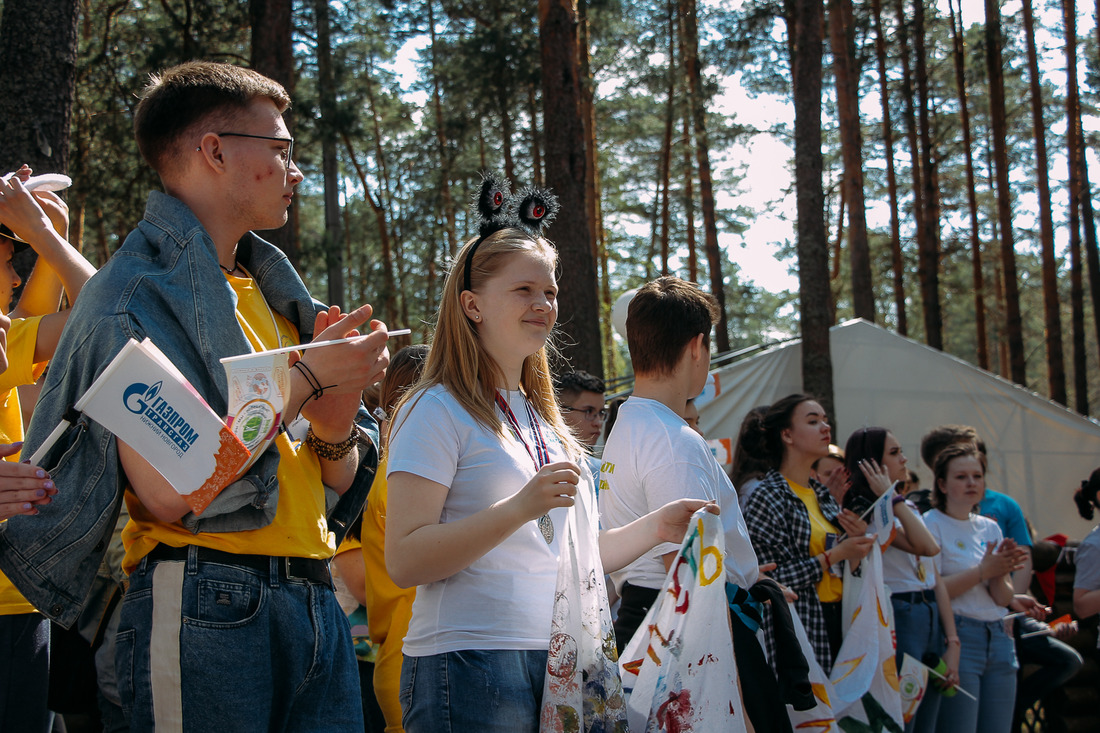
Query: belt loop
{"points": [[273, 571], [192, 559]]}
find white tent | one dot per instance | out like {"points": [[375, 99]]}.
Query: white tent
{"points": [[1039, 451]]}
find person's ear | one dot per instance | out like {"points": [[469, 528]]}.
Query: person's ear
{"points": [[211, 151], [470, 305], [699, 348]]}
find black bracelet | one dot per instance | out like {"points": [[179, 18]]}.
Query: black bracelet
{"points": [[317, 390]]}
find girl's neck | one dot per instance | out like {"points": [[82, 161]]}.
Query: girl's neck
{"points": [[955, 511], [796, 468]]}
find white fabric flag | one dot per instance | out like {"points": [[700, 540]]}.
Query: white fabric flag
{"points": [[583, 692], [913, 681], [680, 663], [880, 521], [819, 719], [864, 677], [146, 401]]}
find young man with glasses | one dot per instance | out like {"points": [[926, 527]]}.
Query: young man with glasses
{"points": [[229, 621], [581, 396]]}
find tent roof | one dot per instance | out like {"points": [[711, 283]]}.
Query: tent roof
{"points": [[1039, 451]]}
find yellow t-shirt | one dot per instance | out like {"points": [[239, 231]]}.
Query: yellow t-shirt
{"points": [[299, 528], [22, 337], [389, 607], [830, 588]]}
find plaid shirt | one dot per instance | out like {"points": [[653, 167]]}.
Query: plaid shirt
{"points": [[779, 527]]}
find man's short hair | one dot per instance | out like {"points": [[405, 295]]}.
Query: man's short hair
{"points": [[663, 317], [197, 92], [571, 384], [936, 439]]}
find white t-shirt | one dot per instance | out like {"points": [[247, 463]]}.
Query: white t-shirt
{"points": [[504, 599], [904, 572], [962, 546], [652, 458]]}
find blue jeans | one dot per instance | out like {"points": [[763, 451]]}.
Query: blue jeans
{"points": [[211, 646], [987, 670], [24, 672], [489, 691], [918, 630]]}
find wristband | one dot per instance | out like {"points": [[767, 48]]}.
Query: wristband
{"points": [[827, 563], [897, 499], [331, 451]]}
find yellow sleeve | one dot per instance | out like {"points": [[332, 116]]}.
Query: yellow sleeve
{"points": [[22, 337]]}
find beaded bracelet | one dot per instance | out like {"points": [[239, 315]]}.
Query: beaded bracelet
{"points": [[331, 451]]}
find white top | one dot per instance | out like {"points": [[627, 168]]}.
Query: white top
{"points": [[904, 572], [962, 546], [652, 458], [504, 599]]}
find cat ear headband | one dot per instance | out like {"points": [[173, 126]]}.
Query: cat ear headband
{"points": [[530, 210]]}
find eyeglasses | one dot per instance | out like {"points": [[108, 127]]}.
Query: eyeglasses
{"points": [[288, 140], [590, 413]]}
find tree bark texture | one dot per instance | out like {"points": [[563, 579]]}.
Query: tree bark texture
{"points": [[1013, 321], [846, 75], [566, 163], [38, 55], [330, 167], [928, 258], [805, 23]]}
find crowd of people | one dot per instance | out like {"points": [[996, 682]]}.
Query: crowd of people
{"points": [[391, 560]]}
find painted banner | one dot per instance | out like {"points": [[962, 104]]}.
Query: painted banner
{"points": [[912, 682], [819, 719], [583, 692], [146, 401], [865, 675], [680, 664]]}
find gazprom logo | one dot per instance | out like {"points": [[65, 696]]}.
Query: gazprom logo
{"points": [[145, 400]]}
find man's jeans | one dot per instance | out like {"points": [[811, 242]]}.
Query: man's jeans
{"points": [[207, 646]]}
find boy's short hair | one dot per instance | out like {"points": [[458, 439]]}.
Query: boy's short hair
{"points": [[663, 317], [207, 92], [936, 439], [571, 384]]}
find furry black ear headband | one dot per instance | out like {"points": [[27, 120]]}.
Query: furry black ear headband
{"points": [[530, 210]]}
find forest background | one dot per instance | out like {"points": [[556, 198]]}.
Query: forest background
{"points": [[925, 167]]}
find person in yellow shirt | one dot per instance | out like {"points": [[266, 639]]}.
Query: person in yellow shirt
{"points": [[41, 221]]}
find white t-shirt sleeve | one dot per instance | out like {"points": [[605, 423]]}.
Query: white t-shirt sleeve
{"points": [[425, 441]]}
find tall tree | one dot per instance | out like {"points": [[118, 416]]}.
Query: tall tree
{"points": [[273, 56], [896, 260], [971, 187], [846, 74], [1076, 159], [330, 166], [1056, 370], [566, 174], [38, 53], [928, 255], [702, 155], [910, 115], [1013, 322], [805, 19]]}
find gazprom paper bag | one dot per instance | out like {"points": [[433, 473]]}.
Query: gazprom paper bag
{"points": [[680, 662], [583, 690]]}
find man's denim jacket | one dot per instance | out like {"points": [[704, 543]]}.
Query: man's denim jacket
{"points": [[164, 283]]}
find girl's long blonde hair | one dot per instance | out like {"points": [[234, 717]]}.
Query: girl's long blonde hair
{"points": [[458, 360]]}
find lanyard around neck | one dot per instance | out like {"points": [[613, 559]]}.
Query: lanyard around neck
{"points": [[540, 454]]}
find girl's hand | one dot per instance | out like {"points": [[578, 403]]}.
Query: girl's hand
{"points": [[951, 659], [998, 562], [852, 525], [854, 548], [673, 518], [838, 483], [878, 478], [553, 486], [788, 595]]}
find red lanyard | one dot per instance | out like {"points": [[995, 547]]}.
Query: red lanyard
{"points": [[540, 455]]}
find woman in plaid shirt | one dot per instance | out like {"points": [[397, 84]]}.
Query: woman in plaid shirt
{"points": [[794, 522]]}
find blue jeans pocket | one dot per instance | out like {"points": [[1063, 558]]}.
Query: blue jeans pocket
{"points": [[222, 597], [124, 669]]}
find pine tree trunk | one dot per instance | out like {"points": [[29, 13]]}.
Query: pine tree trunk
{"points": [[1076, 159], [38, 56], [444, 154], [846, 75], [566, 163], [665, 165], [971, 190], [273, 56], [689, 171], [1013, 322], [805, 24], [928, 256], [896, 261], [706, 184], [910, 114], [1056, 368], [330, 165]]}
